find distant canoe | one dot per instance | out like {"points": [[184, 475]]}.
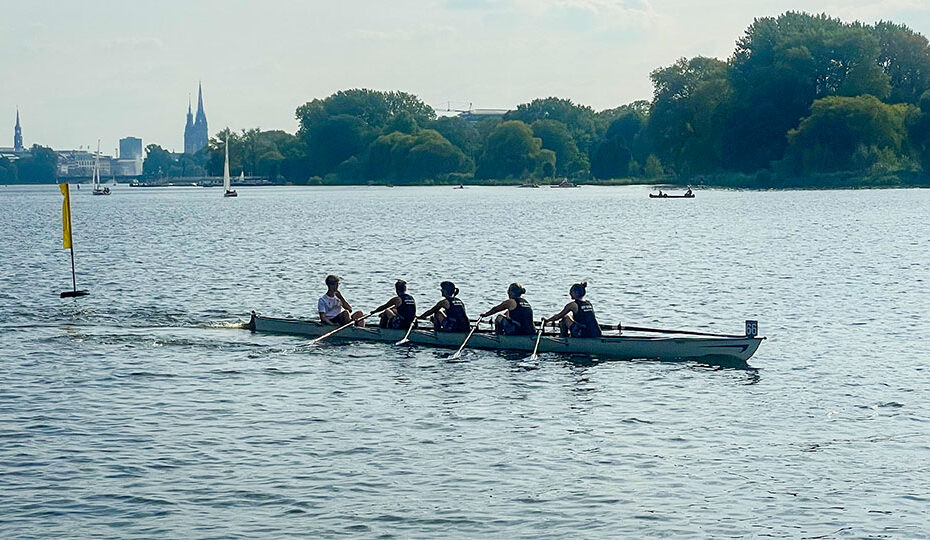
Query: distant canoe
{"points": [[729, 348], [665, 196]]}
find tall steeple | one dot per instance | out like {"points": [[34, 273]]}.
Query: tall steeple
{"points": [[196, 133], [199, 133], [17, 135], [201, 114]]}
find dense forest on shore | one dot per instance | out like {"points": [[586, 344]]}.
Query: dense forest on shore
{"points": [[804, 101]]}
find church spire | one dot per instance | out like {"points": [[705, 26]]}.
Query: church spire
{"points": [[200, 111], [196, 133], [17, 135]]}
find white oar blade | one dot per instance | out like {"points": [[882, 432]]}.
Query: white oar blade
{"points": [[402, 342]]}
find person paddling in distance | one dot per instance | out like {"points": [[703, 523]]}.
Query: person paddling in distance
{"points": [[333, 307], [399, 312], [517, 319], [448, 315], [577, 317]]}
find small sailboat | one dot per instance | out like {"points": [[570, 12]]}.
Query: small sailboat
{"points": [[96, 178], [227, 192]]}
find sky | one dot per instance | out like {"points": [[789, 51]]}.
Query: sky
{"points": [[106, 69]]}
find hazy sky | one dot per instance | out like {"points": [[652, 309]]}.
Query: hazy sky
{"points": [[80, 71]]}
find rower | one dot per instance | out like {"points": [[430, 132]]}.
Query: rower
{"points": [[518, 319], [689, 193], [399, 312], [448, 315], [333, 307], [577, 317]]}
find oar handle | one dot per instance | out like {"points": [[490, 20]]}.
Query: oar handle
{"points": [[343, 327], [620, 328]]}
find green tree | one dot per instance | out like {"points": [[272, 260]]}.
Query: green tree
{"points": [[611, 159], [8, 173], [569, 161], [848, 133], [511, 151], [335, 140], [579, 119], [919, 131], [780, 66], [689, 113], [158, 162], [464, 135], [39, 167], [905, 57], [373, 107], [406, 158]]}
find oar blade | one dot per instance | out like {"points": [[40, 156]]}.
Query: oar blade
{"points": [[530, 362]]}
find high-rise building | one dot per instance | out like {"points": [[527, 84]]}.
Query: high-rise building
{"points": [[196, 134], [130, 148], [17, 135]]}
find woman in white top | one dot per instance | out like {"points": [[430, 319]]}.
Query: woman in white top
{"points": [[333, 307]]}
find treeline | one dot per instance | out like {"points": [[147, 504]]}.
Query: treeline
{"points": [[805, 100], [39, 166]]}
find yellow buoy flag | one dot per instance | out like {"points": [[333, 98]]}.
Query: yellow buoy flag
{"points": [[65, 216]]}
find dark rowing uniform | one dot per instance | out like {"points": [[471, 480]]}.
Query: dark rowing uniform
{"points": [[456, 320], [406, 313], [585, 325], [520, 322]]}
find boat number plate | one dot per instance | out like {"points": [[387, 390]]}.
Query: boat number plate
{"points": [[752, 328]]}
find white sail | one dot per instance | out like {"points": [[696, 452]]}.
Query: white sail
{"points": [[241, 177], [96, 178], [226, 183]]}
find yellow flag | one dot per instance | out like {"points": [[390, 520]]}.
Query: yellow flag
{"points": [[65, 216]]}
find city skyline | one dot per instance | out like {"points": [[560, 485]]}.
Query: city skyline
{"points": [[122, 69]]}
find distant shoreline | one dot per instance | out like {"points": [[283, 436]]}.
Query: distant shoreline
{"points": [[753, 182]]}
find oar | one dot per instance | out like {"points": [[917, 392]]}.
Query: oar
{"points": [[341, 328], [534, 356], [458, 353], [407, 335], [621, 328]]}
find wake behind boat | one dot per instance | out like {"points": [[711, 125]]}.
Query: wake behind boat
{"points": [[703, 347]]}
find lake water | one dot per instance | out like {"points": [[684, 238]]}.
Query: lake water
{"points": [[144, 410]]}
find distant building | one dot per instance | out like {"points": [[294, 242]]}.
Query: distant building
{"points": [[130, 148], [17, 135], [196, 134], [474, 115], [80, 164], [130, 158]]}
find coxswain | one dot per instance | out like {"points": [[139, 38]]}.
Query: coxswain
{"points": [[333, 307], [448, 315], [577, 317], [399, 312], [518, 317]]}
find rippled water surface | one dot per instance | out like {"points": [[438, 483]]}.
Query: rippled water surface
{"points": [[144, 410]]}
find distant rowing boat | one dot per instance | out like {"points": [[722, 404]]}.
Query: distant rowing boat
{"points": [[667, 196], [707, 347]]}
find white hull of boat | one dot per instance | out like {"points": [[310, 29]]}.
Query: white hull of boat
{"points": [[713, 349]]}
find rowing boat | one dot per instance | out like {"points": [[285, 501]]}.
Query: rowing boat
{"points": [[707, 347]]}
